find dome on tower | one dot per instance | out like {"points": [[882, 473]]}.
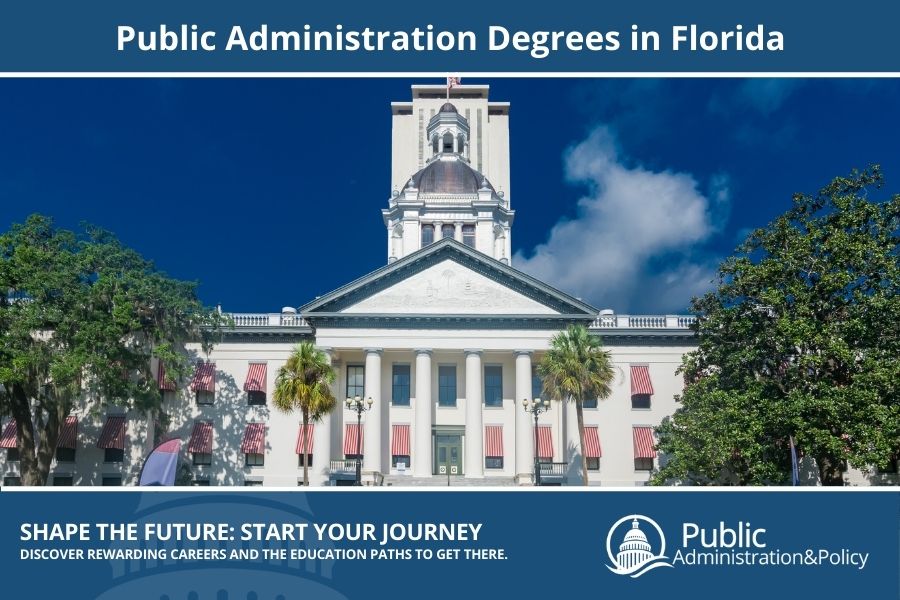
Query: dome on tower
{"points": [[448, 108], [449, 174]]}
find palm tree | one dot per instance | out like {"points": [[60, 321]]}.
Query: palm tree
{"points": [[304, 384], [576, 369]]}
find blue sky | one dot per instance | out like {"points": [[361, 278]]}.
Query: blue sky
{"points": [[627, 192]]}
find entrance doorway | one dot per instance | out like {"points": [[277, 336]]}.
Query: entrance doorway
{"points": [[448, 452]]}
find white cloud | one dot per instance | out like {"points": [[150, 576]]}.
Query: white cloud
{"points": [[633, 245]]}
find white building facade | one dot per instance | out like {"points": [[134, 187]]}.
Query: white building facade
{"points": [[444, 340]]}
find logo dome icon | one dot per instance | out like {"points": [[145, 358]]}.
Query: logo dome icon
{"points": [[635, 556]]}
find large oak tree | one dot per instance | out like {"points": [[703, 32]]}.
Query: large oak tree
{"points": [[81, 315], [801, 338]]}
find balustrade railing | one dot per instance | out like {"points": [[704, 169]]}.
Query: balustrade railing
{"points": [[644, 322], [267, 320]]}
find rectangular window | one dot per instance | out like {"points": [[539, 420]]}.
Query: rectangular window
{"points": [[301, 458], [593, 464], [114, 455], [256, 398], [253, 483], [254, 460], [12, 480], [203, 397], [200, 482], [469, 235], [590, 403], [356, 381], [643, 464], [447, 385], [427, 235], [400, 383], [65, 455], [112, 481], [12, 454], [537, 384], [640, 401], [493, 462], [201, 458], [493, 385], [447, 231], [61, 480], [400, 459]]}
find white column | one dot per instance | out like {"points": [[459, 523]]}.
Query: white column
{"points": [[524, 434], [322, 435], [421, 459], [474, 443], [337, 416], [457, 231], [372, 449]]}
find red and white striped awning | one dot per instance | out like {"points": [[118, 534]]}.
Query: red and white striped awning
{"points": [[201, 438], [8, 439], [493, 441], [256, 378], [644, 442], [68, 434], [113, 434], [204, 377], [161, 381], [305, 439], [350, 439], [254, 441], [591, 442], [545, 442], [640, 380], [400, 440]]}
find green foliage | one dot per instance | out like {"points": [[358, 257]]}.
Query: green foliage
{"points": [[801, 338], [576, 368], [81, 315], [304, 384]]}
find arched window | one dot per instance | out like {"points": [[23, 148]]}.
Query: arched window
{"points": [[434, 144], [461, 143], [469, 235], [447, 231], [427, 235], [447, 142]]}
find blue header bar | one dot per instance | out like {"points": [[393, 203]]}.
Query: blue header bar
{"points": [[346, 543], [281, 36]]}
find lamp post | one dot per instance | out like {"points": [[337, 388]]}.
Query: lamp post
{"points": [[360, 406], [536, 407]]}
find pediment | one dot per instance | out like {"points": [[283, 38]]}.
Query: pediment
{"points": [[449, 288], [447, 279]]}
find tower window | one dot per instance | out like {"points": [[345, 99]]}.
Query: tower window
{"points": [[427, 235], [469, 235], [447, 231], [447, 142], [434, 144]]}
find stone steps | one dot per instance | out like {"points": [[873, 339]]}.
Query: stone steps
{"points": [[439, 481]]}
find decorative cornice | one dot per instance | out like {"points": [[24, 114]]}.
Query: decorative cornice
{"points": [[418, 321], [268, 335]]}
